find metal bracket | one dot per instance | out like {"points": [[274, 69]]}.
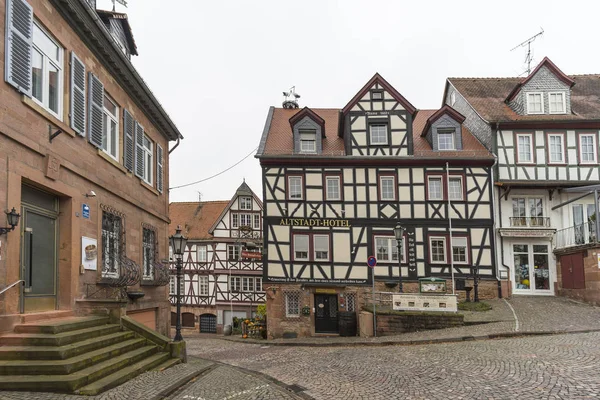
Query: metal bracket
{"points": [[53, 135], [506, 192]]}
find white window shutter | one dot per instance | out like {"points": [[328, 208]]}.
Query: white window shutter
{"points": [[19, 44], [139, 150], [95, 111], [128, 127], [159, 168], [77, 95]]}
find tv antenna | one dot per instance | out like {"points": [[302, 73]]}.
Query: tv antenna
{"points": [[293, 102], [529, 57], [122, 2]]}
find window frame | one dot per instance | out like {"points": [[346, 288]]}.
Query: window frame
{"points": [[380, 179], [311, 250], [441, 178], [446, 131], [248, 284], [298, 296], [444, 239], [236, 250], [255, 219], [314, 247], [563, 143], [233, 286], [242, 203], [392, 244], [106, 134], [148, 160], [117, 245], [288, 187], [198, 252], [377, 92], [531, 136], [387, 131], [467, 248], [46, 62], [151, 246], [326, 179], [527, 102], [564, 103], [444, 185], [313, 133], [201, 285], [594, 147], [462, 187]]}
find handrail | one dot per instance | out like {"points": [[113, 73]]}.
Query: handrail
{"points": [[12, 285], [21, 298]]}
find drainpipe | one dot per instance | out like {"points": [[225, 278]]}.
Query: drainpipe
{"points": [[176, 144], [499, 215]]}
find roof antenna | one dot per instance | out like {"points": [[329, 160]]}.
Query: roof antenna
{"points": [[291, 103], [200, 196], [122, 2], [528, 57]]}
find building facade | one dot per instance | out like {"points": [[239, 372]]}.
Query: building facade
{"points": [[337, 181], [543, 130], [84, 146], [222, 263]]}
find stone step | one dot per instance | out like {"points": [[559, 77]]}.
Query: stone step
{"points": [[70, 365], [124, 374], [70, 383], [61, 325], [59, 339], [39, 316], [167, 364], [62, 352]]}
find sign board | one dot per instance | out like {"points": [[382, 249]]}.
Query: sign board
{"points": [[85, 211], [89, 253], [325, 291], [255, 255], [424, 302], [371, 261]]}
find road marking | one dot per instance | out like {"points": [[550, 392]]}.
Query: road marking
{"points": [[514, 314]]}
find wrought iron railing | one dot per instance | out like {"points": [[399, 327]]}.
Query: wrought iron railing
{"points": [[530, 222], [115, 287], [161, 276], [576, 235]]}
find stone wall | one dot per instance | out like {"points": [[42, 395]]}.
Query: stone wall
{"points": [[414, 322]]}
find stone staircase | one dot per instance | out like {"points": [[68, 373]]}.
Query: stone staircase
{"points": [[82, 355]]}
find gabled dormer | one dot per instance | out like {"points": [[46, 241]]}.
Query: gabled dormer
{"points": [[309, 130], [120, 30], [545, 91], [443, 129], [243, 212]]}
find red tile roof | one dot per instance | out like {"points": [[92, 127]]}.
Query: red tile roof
{"points": [[195, 218]]}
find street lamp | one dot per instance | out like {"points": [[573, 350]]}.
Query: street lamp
{"points": [[399, 233], [12, 218], [178, 243]]}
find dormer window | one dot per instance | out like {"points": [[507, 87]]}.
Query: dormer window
{"points": [[377, 95], [308, 141], [556, 102], [446, 139], [378, 134], [535, 103]]}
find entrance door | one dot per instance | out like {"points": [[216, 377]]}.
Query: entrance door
{"points": [[532, 269], [326, 314], [208, 323], [39, 249]]}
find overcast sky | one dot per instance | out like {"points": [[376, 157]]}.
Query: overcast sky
{"points": [[216, 66]]}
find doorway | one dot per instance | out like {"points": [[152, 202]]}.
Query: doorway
{"points": [[326, 313], [532, 274], [39, 249]]}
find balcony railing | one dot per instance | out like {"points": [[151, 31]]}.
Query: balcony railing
{"points": [[529, 222], [576, 235]]}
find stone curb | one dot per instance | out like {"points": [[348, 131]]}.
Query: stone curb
{"points": [[184, 380], [502, 335]]}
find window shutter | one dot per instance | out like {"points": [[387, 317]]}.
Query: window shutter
{"points": [[128, 127], [139, 150], [77, 95], [19, 42], [159, 168], [95, 113]]}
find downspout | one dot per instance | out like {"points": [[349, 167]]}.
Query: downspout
{"points": [[503, 263], [176, 144]]}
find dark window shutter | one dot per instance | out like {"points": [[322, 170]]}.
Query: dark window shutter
{"points": [[19, 42], [128, 127], [159, 168], [77, 95], [139, 150], [95, 113]]}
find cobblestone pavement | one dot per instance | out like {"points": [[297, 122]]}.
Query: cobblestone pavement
{"points": [[538, 367]]}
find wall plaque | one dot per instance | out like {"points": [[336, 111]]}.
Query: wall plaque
{"points": [[424, 302], [52, 167]]}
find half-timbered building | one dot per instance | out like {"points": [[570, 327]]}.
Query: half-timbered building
{"points": [[222, 262], [337, 181], [543, 129]]}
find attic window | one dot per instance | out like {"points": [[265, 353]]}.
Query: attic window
{"points": [[446, 139], [378, 134], [308, 140], [377, 95], [535, 103], [556, 102]]}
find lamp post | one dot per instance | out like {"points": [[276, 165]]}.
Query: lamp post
{"points": [[178, 243], [399, 233], [12, 218]]}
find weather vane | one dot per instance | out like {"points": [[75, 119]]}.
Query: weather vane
{"points": [[122, 2]]}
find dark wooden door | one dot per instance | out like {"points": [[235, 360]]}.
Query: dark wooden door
{"points": [[208, 323], [326, 313], [572, 271]]}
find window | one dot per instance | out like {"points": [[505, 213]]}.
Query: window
{"points": [[434, 185], [256, 221], [292, 304], [235, 284], [556, 103], [377, 95], [437, 249], [295, 187], [535, 103], [556, 149], [235, 220], [445, 139], [587, 148], [308, 140], [321, 246], [303, 251], [455, 188], [386, 248], [460, 250], [524, 148], [203, 285], [333, 188], [149, 252], [245, 203], [527, 212], [46, 64], [110, 136], [387, 188], [201, 253], [111, 244], [350, 301], [301, 247], [378, 133], [147, 150], [248, 284], [173, 285], [233, 252], [259, 285], [245, 219]]}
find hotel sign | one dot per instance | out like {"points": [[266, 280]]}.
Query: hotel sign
{"points": [[319, 223]]}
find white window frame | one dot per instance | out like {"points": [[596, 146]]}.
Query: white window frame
{"points": [[451, 133], [46, 62], [203, 285], [245, 203], [299, 194], [531, 148], [336, 179], [444, 240], [148, 262], [148, 159], [256, 221], [378, 143], [594, 147], [106, 137], [564, 102], [458, 242], [462, 187], [561, 137], [377, 95], [173, 286], [248, 284], [258, 285], [235, 284], [381, 194], [296, 236], [314, 238], [245, 219], [308, 140], [530, 94], [235, 250], [201, 253], [392, 244], [429, 178]]}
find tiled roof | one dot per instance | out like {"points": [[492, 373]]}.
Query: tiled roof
{"points": [[195, 218], [488, 95]]}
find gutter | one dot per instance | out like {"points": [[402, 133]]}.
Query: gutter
{"points": [[502, 260], [176, 144]]}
